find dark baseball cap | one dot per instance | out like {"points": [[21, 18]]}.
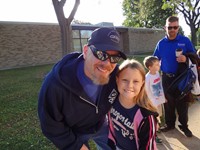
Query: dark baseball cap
{"points": [[106, 39]]}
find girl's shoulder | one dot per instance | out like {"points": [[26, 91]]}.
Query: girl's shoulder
{"points": [[142, 115], [145, 112]]}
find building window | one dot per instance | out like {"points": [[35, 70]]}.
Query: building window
{"points": [[80, 38]]}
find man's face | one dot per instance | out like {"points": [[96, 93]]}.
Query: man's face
{"points": [[98, 71], [171, 29]]}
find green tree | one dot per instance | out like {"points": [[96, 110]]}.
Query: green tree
{"points": [[191, 12], [80, 22], [145, 13], [198, 38], [131, 12]]}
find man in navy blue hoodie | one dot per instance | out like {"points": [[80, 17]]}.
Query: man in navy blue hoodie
{"points": [[79, 91]]}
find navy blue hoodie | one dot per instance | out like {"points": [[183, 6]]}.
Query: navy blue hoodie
{"points": [[64, 108]]}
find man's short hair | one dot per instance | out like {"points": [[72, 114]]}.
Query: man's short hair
{"points": [[172, 19]]}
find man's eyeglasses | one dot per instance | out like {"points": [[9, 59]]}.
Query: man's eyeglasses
{"points": [[103, 56], [172, 27]]}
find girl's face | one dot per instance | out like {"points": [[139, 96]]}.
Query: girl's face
{"points": [[129, 83]]}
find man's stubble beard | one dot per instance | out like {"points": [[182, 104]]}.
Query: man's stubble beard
{"points": [[100, 80]]}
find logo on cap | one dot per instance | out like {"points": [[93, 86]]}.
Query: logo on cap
{"points": [[114, 36]]}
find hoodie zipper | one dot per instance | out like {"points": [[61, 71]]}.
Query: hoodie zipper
{"points": [[96, 107]]}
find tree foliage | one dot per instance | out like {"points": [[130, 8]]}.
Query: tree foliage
{"points": [[190, 9], [145, 13], [129, 11], [80, 22]]}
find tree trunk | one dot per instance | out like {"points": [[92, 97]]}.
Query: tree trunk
{"points": [[65, 24], [193, 36], [66, 37]]}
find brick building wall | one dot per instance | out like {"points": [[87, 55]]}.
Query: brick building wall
{"points": [[28, 44], [143, 40]]}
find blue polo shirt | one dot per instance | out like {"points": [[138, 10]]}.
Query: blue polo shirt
{"points": [[165, 51]]}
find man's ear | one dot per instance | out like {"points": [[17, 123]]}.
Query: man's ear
{"points": [[85, 51], [164, 28]]}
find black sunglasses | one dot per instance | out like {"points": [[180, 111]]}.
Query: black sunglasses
{"points": [[103, 56], [172, 27]]}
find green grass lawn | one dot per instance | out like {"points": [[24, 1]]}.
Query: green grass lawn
{"points": [[19, 124]]}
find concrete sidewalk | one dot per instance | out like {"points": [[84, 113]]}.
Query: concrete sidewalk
{"points": [[176, 140]]}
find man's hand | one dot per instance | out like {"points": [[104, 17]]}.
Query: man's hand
{"points": [[181, 59], [84, 147]]}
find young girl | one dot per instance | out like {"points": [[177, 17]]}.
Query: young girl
{"points": [[132, 119]]}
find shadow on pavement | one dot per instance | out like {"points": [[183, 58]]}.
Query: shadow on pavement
{"points": [[176, 140]]}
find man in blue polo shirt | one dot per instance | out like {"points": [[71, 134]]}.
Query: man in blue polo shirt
{"points": [[166, 52]]}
